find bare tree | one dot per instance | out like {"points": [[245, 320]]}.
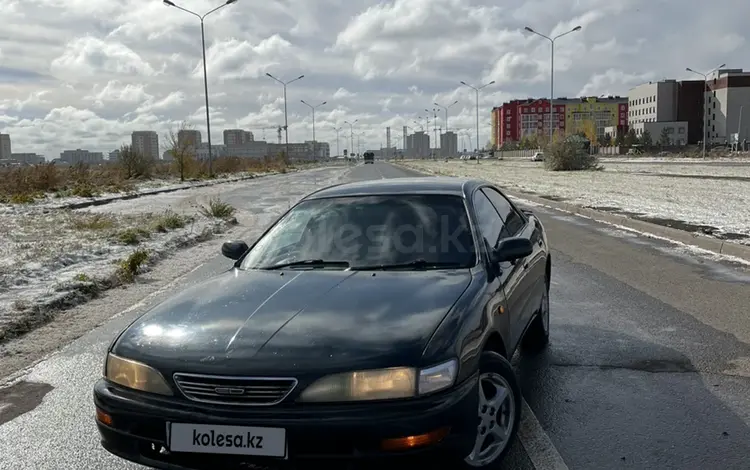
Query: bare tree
{"points": [[181, 147], [134, 163]]}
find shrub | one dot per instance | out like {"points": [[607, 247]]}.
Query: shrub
{"points": [[569, 155], [129, 268], [217, 208]]}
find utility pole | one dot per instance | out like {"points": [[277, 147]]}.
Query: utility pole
{"points": [[315, 152], [351, 134], [476, 91]]}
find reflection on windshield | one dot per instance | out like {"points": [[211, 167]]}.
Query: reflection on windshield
{"points": [[370, 230]]}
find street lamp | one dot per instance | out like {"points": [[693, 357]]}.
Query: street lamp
{"points": [[552, 73], [705, 102], [286, 121], [169, 3], [338, 151], [446, 108], [351, 134], [315, 153], [476, 90], [434, 129]]}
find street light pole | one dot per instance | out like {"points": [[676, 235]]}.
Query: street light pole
{"points": [[170, 3], [476, 90], [552, 125], [446, 108], [351, 134], [705, 102], [434, 129], [338, 150], [286, 120], [315, 153]]}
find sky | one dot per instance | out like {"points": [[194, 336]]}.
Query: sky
{"points": [[86, 73]]}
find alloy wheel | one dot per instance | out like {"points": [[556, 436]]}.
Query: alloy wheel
{"points": [[496, 419]]}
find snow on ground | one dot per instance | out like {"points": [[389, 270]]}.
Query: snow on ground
{"points": [[704, 199], [48, 254]]}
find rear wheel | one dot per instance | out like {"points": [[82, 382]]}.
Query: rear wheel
{"points": [[499, 412], [537, 336]]}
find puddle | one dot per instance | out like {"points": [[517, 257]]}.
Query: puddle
{"points": [[676, 224], [698, 177], [21, 398]]}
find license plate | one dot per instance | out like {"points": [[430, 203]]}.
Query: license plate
{"points": [[237, 440]]}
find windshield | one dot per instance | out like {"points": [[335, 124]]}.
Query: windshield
{"points": [[430, 231]]}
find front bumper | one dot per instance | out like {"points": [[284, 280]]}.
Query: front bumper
{"points": [[328, 434]]}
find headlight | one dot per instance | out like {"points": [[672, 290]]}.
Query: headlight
{"points": [[135, 375], [381, 384]]}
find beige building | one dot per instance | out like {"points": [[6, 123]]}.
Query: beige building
{"points": [[146, 143], [653, 102]]}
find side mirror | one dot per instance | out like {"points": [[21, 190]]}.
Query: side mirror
{"points": [[234, 249], [512, 249]]}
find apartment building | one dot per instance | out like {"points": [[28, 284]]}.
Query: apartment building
{"points": [[517, 119], [418, 144], [146, 143], [234, 137], [188, 138], [76, 156], [5, 150], [448, 144]]}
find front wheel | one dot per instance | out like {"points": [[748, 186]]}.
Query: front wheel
{"points": [[499, 412], [537, 336]]}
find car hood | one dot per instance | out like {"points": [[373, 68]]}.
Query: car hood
{"points": [[269, 322]]}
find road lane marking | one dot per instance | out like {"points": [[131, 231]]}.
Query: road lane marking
{"points": [[379, 172], [538, 446]]}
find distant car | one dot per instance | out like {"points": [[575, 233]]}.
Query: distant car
{"points": [[537, 157], [369, 157], [391, 339]]}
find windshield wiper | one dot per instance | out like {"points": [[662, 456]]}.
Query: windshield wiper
{"points": [[310, 263], [416, 264]]}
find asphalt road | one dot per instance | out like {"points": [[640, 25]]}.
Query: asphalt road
{"points": [[648, 365]]}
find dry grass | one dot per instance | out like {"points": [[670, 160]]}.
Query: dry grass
{"points": [[23, 185]]}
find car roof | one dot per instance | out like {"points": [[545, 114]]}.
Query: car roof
{"points": [[446, 185]]}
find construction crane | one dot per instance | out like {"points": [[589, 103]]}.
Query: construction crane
{"points": [[267, 129]]}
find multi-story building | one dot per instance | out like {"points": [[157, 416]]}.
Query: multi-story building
{"points": [[233, 137], [254, 149], [587, 114], [318, 150], [5, 150], [217, 151], [727, 97], [449, 144], [188, 138], [297, 151], [27, 158], [418, 144], [73, 157], [146, 143], [114, 155], [653, 102], [517, 119]]}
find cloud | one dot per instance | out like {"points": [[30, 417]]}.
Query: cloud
{"points": [[88, 72]]}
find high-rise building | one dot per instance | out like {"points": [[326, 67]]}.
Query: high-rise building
{"points": [[188, 138], [728, 95], [418, 144], [5, 151], [448, 144], [146, 143]]}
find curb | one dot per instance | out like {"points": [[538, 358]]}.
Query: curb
{"points": [[703, 242], [125, 197]]}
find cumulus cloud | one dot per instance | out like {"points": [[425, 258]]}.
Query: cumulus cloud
{"points": [[88, 72]]}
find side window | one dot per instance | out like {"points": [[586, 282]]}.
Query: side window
{"points": [[514, 222], [490, 223]]}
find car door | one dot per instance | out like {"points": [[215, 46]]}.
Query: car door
{"points": [[529, 270], [501, 288]]}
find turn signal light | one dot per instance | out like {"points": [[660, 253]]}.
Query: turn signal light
{"points": [[412, 442], [103, 417]]}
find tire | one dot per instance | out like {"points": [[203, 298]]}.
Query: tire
{"points": [[537, 336], [495, 371]]}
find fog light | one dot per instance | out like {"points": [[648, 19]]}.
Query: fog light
{"points": [[103, 417], [412, 442]]}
